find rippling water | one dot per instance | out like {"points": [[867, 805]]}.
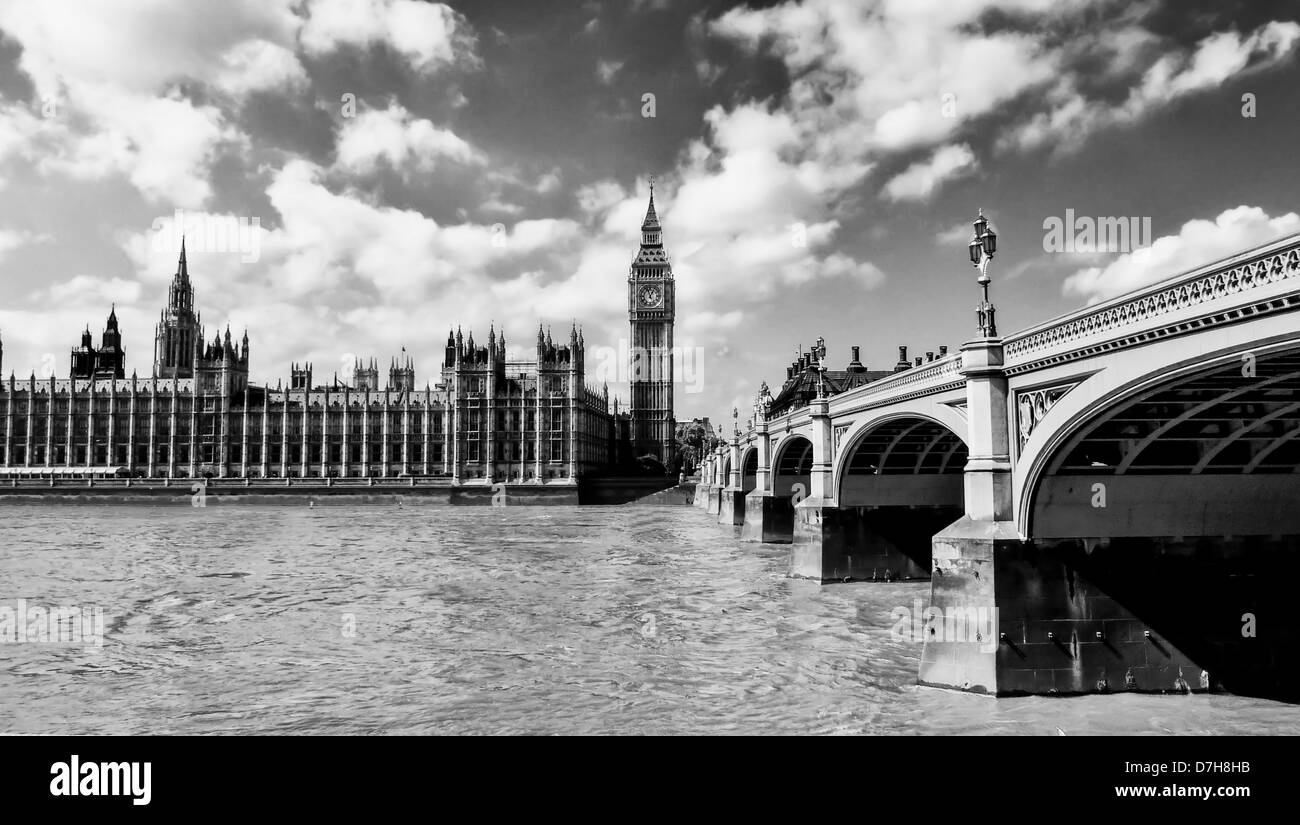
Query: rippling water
{"points": [[477, 620]]}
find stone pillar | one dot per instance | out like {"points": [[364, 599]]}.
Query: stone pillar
{"points": [[9, 422], [194, 430], [223, 431], [821, 548], [537, 435], [243, 440], [306, 433], [969, 554], [763, 512], [325, 435], [68, 446], [49, 423], [384, 433], [406, 433], [284, 436], [266, 436], [130, 431], [731, 504], [365, 434], [347, 437], [112, 420]]}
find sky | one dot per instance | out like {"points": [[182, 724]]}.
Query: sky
{"points": [[393, 169]]}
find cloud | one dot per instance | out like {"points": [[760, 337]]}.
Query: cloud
{"points": [[259, 66], [428, 35], [394, 137], [1175, 74], [1198, 242], [11, 239], [606, 69], [922, 178]]}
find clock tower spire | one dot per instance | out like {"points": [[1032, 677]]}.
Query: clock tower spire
{"points": [[651, 311]]}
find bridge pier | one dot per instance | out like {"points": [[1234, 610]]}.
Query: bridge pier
{"points": [[1012, 617], [713, 504], [836, 544], [731, 507], [768, 518]]}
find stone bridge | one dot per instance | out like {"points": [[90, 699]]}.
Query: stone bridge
{"points": [[1106, 501]]}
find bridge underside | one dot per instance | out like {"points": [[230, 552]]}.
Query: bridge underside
{"points": [[901, 484], [1166, 540]]}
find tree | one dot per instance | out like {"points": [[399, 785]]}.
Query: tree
{"points": [[695, 439]]}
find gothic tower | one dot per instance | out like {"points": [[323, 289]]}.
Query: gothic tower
{"points": [[178, 337], [651, 307]]}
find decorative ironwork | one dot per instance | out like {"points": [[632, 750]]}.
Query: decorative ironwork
{"points": [[1032, 405], [1266, 269]]}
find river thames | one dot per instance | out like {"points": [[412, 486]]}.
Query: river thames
{"points": [[445, 620]]}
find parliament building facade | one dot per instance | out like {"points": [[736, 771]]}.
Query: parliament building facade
{"points": [[487, 419]]}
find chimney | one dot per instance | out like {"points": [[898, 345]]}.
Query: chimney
{"points": [[902, 360], [789, 373], [943, 350], [918, 360], [929, 356], [856, 364]]}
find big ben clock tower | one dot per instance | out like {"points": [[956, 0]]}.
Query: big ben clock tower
{"points": [[651, 307]]}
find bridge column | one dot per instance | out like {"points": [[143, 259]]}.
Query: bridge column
{"points": [[703, 485], [714, 504], [962, 648], [823, 534], [731, 504], [760, 504]]}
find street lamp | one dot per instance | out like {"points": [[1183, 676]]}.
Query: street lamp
{"points": [[983, 246], [819, 350]]}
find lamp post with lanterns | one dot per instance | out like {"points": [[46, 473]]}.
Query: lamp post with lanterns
{"points": [[983, 246], [819, 352]]}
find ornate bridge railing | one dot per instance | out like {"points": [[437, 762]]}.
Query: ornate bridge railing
{"points": [[1244, 275]]}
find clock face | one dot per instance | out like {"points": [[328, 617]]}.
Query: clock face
{"points": [[651, 296]]}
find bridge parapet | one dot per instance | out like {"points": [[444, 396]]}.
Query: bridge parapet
{"points": [[1252, 281], [905, 384]]}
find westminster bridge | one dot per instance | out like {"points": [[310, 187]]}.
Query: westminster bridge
{"points": [[1117, 488]]}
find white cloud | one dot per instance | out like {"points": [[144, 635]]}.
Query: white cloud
{"points": [[11, 239], [429, 35], [1198, 242], [922, 178], [606, 69], [391, 135], [258, 66], [1219, 57]]}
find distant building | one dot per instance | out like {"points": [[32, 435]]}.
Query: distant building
{"points": [[487, 420], [803, 375], [652, 309]]}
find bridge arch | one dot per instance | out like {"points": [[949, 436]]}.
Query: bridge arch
{"points": [[791, 464], [1166, 504], [899, 480], [1192, 425], [923, 451], [748, 468]]}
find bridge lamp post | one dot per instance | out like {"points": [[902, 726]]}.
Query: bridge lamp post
{"points": [[983, 246], [819, 350]]}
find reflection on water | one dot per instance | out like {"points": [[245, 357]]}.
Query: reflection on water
{"points": [[478, 620]]}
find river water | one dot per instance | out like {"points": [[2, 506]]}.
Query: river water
{"points": [[527, 620]]}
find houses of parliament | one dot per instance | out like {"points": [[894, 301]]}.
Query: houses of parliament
{"points": [[487, 419]]}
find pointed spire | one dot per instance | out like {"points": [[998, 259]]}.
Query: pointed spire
{"points": [[182, 269], [651, 222]]}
